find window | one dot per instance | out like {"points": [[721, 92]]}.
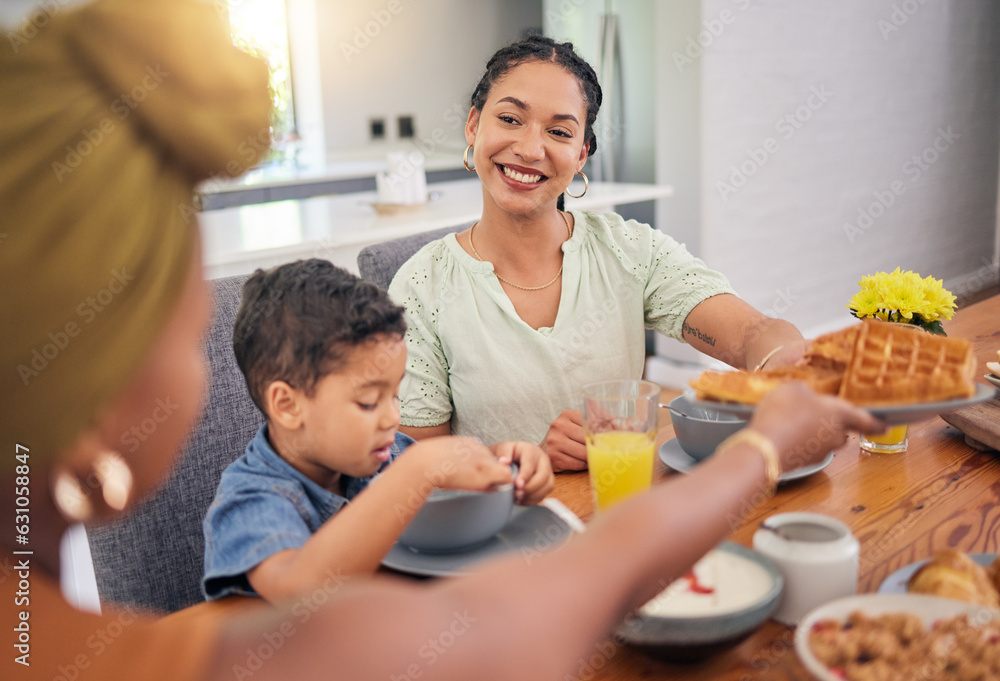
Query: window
{"points": [[260, 28]]}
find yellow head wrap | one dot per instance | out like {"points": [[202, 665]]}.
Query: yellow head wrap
{"points": [[109, 114]]}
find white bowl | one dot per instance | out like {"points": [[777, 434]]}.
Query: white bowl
{"points": [[928, 608], [683, 638]]}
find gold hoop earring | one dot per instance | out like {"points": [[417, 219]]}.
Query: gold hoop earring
{"points": [[465, 160], [74, 498], [586, 186]]}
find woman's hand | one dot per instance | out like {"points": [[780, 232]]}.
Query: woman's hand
{"points": [[789, 354], [534, 476], [564, 443], [805, 426]]}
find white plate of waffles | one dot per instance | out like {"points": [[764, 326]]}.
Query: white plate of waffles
{"points": [[892, 415], [897, 372]]}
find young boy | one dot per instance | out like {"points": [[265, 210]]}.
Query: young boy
{"points": [[323, 354]]}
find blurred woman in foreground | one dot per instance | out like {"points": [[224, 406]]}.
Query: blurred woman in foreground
{"points": [[108, 118]]}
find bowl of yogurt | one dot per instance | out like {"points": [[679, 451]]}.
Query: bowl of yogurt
{"points": [[725, 597]]}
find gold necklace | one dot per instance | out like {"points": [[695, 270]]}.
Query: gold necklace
{"points": [[569, 233]]}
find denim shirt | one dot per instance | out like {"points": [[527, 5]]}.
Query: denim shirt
{"points": [[263, 506]]}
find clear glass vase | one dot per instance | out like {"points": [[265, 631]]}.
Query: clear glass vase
{"points": [[892, 441]]}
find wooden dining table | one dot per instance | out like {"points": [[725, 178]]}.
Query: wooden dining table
{"points": [[940, 493]]}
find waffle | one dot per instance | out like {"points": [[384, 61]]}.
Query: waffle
{"points": [[895, 364], [870, 363], [833, 350], [749, 387]]}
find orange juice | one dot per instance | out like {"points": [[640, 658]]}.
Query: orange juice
{"points": [[621, 465], [893, 436]]}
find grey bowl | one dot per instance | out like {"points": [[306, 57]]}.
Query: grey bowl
{"points": [[686, 639], [454, 520], [699, 431]]}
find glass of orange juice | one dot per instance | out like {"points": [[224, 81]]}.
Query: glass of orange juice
{"points": [[892, 440], [619, 424]]}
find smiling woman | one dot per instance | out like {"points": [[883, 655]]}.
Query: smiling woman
{"points": [[547, 300]]}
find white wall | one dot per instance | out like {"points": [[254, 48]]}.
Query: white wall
{"points": [[868, 86], [423, 60]]}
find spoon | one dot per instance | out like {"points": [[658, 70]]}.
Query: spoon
{"points": [[776, 530], [672, 410]]}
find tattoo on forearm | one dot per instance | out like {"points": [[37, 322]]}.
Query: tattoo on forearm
{"points": [[704, 337]]}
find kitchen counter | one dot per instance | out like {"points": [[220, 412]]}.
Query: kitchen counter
{"points": [[344, 172], [238, 240]]}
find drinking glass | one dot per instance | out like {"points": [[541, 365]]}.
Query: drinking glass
{"points": [[619, 424], [892, 440]]}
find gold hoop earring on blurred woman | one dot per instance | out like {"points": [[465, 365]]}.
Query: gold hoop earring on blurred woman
{"points": [[465, 160], [586, 186], [74, 493]]}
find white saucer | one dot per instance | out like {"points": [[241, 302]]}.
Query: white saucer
{"points": [[673, 456], [530, 530], [995, 380], [896, 582]]}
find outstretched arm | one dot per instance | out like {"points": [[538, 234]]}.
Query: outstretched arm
{"points": [[728, 329], [517, 614], [357, 538]]}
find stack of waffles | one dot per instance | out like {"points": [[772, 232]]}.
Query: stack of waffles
{"points": [[871, 363]]}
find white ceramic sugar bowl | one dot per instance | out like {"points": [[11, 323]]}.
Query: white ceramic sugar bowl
{"points": [[818, 557]]}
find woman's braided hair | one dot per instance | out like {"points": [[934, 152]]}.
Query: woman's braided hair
{"points": [[544, 49]]}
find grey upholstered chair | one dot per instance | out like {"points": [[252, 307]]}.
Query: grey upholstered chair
{"points": [[378, 263], [154, 557]]}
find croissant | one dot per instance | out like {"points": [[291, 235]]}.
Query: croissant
{"points": [[952, 574]]}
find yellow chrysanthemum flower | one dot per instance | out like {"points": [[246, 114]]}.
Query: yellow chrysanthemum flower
{"points": [[903, 296], [865, 303], [940, 302], [902, 292]]}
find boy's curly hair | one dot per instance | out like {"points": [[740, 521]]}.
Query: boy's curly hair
{"points": [[298, 322]]}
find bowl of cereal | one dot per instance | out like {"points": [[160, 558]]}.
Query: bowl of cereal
{"points": [[873, 636], [725, 597]]}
